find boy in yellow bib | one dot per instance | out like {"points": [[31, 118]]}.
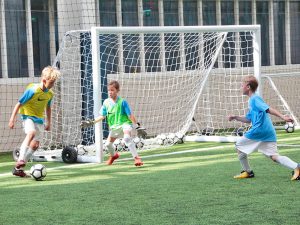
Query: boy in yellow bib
{"points": [[32, 105]]}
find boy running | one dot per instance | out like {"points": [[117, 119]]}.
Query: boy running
{"points": [[262, 135], [32, 105]]}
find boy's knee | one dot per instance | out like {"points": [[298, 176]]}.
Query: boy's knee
{"points": [[34, 145]]}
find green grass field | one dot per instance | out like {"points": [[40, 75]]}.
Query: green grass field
{"points": [[195, 186]]}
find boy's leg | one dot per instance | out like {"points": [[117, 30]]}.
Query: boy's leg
{"points": [[131, 146], [110, 148], [270, 149], [244, 147]]}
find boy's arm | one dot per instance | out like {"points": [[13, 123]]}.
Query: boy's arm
{"points": [[274, 112], [48, 118], [133, 119], [239, 118], [12, 119]]}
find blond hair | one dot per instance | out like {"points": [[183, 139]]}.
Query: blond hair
{"points": [[50, 73]]}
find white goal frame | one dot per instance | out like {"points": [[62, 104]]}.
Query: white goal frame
{"points": [[95, 31]]}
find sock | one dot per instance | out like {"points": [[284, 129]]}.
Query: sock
{"points": [[244, 161], [23, 150], [110, 148], [287, 162], [29, 153], [131, 146]]}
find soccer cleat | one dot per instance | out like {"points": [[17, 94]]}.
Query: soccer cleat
{"points": [[111, 159], [296, 174], [20, 164], [138, 161], [19, 173], [244, 174]]}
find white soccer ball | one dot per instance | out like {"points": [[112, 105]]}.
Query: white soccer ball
{"points": [[161, 139], [289, 127], [38, 172], [179, 138], [139, 142]]}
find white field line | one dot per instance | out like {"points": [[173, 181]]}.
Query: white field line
{"points": [[126, 159]]}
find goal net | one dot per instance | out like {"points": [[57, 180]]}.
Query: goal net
{"points": [[177, 80]]}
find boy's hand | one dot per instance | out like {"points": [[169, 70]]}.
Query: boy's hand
{"points": [[287, 118], [47, 127], [231, 117], [87, 123], [11, 124], [141, 131]]}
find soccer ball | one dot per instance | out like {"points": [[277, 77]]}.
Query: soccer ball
{"points": [[289, 127], [179, 138], [161, 139], [38, 172], [139, 142]]}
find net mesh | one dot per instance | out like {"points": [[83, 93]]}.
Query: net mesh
{"points": [[175, 83]]}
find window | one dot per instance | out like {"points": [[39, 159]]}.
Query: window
{"points": [[40, 35], [279, 32], [295, 31], [171, 13], [15, 19], [209, 13], [150, 8], [108, 15], [190, 13], [129, 13], [262, 14]]}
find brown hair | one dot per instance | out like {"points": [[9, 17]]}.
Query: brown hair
{"points": [[252, 82], [115, 84]]}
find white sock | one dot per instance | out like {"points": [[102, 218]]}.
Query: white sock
{"points": [[28, 154], [23, 150], [130, 144], [110, 148], [287, 162], [244, 161]]}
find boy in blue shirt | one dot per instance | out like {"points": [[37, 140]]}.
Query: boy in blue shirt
{"points": [[262, 135]]}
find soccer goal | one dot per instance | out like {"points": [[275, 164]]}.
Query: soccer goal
{"points": [[177, 80]]}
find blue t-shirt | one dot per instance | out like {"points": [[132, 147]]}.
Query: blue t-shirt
{"points": [[262, 128]]}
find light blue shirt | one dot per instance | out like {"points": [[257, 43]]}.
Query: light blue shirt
{"points": [[262, 128]]}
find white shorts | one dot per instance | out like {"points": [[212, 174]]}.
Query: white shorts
{"points": [[29, 126], [248, 146], [119, 132]]}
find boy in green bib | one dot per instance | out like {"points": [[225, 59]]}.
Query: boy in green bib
{"points": [[121, 122]]}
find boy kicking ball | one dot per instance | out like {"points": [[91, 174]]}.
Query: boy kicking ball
{"points": [[262, 135], [33, 103]]}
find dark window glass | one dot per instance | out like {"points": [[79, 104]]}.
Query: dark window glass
{"points": [[190, 14], [209, 13], [40, 35], [107, 12], [279, 32], [245, 12], [129, 13], [262, 15], [171, 13], [295, 31], [151, 16], [16, 39]]}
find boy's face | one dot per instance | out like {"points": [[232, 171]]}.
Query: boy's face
{"points": [[48, 83], [112, 92], [245, 88]]}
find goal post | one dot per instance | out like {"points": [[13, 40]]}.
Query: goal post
{"points": [[178, 80]]}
